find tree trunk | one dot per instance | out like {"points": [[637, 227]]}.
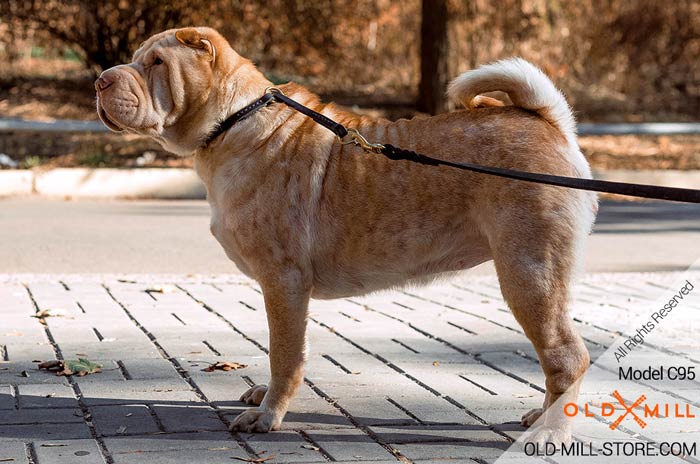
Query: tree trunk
{"points": [[434, 72]]}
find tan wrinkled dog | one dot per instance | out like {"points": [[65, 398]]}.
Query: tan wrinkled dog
{"points": [[308, 217]]}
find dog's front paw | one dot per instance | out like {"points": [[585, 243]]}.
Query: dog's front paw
{"points": [[529, 418], [254, 395], [255, 420], [558, 436]]}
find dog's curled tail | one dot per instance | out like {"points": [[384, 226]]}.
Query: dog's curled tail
{"points": [[526, 85]]}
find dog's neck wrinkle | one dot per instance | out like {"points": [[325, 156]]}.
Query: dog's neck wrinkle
{"points": [[244, 84]]}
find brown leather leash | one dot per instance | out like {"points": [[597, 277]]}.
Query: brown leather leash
{"points": [[620, 188]]}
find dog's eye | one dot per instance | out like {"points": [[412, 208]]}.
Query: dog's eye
{"points": [[157, 61]]}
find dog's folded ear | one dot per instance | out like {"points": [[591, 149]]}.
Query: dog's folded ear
{"points": [[192, 38]]}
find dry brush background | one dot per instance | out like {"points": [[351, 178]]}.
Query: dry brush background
{"points": [[616, 60]]}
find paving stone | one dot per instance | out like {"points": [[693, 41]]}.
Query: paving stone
{"points": [[127, 419], [13, 452], [456, 450], [348, 445], [227, 343], [436, 433], [374, 411], [43, 431], [496, 415], [40, 416], [139, 391], [7, 399], [20, 350], [116, 350], [286, 446], [444, 441], [188, 418], [150, 369], [507, 459], [50, 396], [433, 409], [393, 461], [309, 411], [68, 452], [170, 442], [185, 456]]}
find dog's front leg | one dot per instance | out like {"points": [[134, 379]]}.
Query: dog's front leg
{"points": [[286, 303]]}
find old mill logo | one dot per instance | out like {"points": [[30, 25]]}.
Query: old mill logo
{"points": [[632, 409]]}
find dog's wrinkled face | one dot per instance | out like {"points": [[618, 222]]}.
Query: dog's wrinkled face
{"points": [[169, 79]]}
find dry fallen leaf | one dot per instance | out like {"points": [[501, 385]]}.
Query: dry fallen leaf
{"points": [[224, 366], [79, 367], [165, 288], [436, 363], [44, 313]]}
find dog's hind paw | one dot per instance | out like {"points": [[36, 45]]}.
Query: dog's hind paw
{"points": [[255, 420], [529, 418], [254, 395]]}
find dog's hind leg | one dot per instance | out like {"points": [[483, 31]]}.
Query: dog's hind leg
{"points": [[534, 263]]}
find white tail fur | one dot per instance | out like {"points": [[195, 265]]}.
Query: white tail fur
{"points": [[526, 85]]}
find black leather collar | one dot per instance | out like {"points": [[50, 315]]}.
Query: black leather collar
{"points": [[271, 95], [239, 115]]}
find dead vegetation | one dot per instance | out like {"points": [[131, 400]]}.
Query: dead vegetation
{"points": [[616, 61]]}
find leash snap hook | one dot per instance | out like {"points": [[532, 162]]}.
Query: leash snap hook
{"points": [[359, 140], [273, 90]]}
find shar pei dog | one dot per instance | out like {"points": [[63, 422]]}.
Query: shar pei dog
{"points": [[308, 217]]}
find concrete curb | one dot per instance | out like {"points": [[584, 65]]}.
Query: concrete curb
{"points": [[119, 183], [179, 183], [13, 183], [151, 183]]}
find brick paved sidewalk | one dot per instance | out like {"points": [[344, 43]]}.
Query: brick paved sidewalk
{"points": [[442, 372]]}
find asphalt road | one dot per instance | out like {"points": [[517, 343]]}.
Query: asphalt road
{"points": [[53, 236]]}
